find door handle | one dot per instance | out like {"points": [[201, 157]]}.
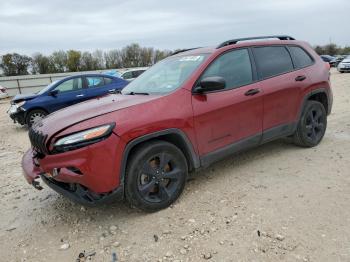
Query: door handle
{"points": [[300, 78], [252, 92], [81, 95]]}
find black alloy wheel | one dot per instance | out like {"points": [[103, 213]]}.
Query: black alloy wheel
{"points": [[156, 175], [312, 125]]}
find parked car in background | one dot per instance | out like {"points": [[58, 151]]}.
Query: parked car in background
{"points": [[3, 92], [131, 74], [29, 108], [112, 72], [330, 59], [338, 59], [184, 113], [344, 65]]}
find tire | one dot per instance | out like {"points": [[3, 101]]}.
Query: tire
{"points": [[156, 175], [34, 116], [312, 125]]}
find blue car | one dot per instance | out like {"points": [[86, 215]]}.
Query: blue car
{"points": [[29, 108]]}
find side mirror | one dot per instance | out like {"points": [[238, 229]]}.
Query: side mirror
{"points": [[211, 83], [53, 93]]}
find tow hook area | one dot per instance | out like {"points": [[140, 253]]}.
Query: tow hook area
{"points": [[36, 185]]}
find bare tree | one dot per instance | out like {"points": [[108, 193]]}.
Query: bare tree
{"points": [[113, 59], [99, 59], [59, 61], [88, 62]]}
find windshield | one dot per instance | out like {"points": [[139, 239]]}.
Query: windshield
{"points": [[42, 91], [165, 76]]}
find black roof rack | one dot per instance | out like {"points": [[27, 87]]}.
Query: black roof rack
{"points": [[184, 50], [234, 41]]}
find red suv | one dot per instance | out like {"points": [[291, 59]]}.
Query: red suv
{"points": [[186, 112]]}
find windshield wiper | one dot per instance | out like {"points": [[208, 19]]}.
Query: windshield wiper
{"points": [[137, 93]]}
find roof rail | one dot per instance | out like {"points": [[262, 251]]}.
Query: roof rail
{"points": [[184, 50], [234, 41]]}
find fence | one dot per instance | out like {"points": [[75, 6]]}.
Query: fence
{"points": [[33, 83]]}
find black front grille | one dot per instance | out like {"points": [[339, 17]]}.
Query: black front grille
{"points": [[37, 139]]}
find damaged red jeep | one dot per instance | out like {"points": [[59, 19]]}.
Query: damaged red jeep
{"points": [[186, 112]]}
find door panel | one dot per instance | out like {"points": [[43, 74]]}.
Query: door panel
{"points": [[226, 117], [98, 86], [69, 93], [281, 98], [280, 83], [223, 118]]}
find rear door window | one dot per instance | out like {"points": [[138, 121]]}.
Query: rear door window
{"points": [[300, 57], [108, 80], [272, 61], [94, 81], [234, 67]]}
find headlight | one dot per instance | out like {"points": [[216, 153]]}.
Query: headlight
{"points": [[83, 138], [19, 104]]}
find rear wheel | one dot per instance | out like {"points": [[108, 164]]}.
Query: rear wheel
{"points": [[312, 125], [34, 116], [155, 176]]}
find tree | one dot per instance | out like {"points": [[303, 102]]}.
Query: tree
{"points": [[98, 59], [147, 54], [131, 55], [345, 50], [41, 64], [7, 65], [319, 50], [88, 62], [331, 49], [59, 61], [160, 55], [73, 60], [113, 59], [15, 64]]}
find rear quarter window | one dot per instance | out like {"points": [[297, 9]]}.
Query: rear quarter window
{"points": [[107, 80], [272, 61], [300, 57]]}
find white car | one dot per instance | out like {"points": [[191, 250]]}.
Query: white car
{"points": [[344, 65], [131, 74], [3, 92]]}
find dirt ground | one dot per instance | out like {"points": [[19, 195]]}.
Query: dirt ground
{"points": [[273, 203]]}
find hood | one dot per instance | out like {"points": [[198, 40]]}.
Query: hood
{"points": [[23, 97], [69, 116], [347, 60]]}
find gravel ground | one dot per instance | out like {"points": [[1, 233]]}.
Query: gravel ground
{"points": [[276, 202]]}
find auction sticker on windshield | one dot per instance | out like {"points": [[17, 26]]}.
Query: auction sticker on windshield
{"points": [[192, 58]]}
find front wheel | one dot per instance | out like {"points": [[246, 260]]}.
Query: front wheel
{"points": [[312, 125], [155, 176], [34, 116]]}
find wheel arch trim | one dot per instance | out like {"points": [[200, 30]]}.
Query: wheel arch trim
{"points": [[314, 92], [190, 153]]}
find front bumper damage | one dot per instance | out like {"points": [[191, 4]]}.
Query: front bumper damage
{"points": [[18, 117], [96, 183]]}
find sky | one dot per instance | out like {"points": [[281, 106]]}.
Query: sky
{"points": [[29, 26]]}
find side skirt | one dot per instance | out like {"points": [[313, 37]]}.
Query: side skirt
{"points": [[223, 152], [246, 143]]}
